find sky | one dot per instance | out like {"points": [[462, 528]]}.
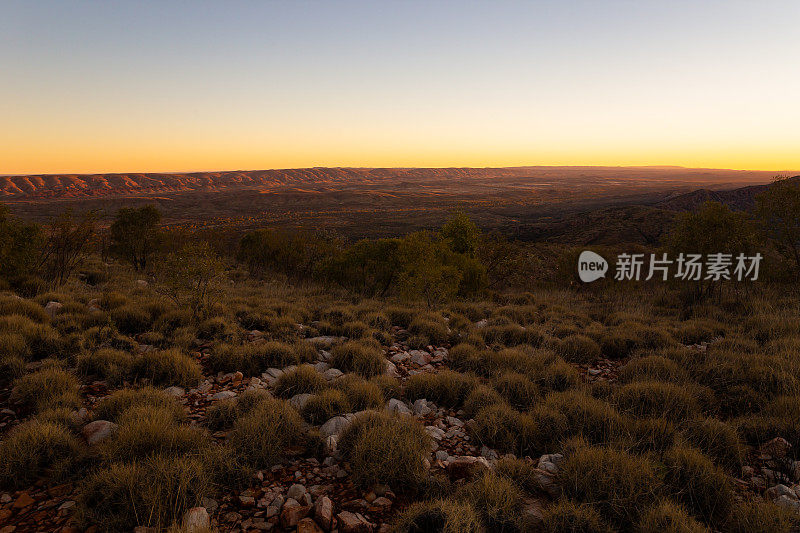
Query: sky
{"points": [[169, 86]]}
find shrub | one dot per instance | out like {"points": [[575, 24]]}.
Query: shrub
{"points": [[303, 379], [355, 330], [497, 500], [14, 345], [383, 448], [567, 516], [108, 364], [620, 485], [480, 397], [652, 368], [400, 316], [667, 517], [360, 394], [439, 516], [499, 426], [697, 483], [131, 319], [390, 387], [715, 438], [35, 447], [446, 388], [261, 437], [252, 359], [323, 406], [431, 327], [26, 308], [360, 358], [559, 376], [765, 517], [593, 419], [522, 472], [654, 399], [113, 406], [168, 367], [464, 357], [153, 493], [519, 391], [49, 387], [145, 431], [650, 435], [578, 349]]}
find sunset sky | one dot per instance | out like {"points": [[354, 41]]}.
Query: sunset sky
{"points": [[112, 86]]}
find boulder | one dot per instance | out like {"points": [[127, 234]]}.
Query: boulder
{"points": [[292, 513], [306, 525], [323, 512], [397, 406], [196, 520], [98, 431], [53, 308], [353, 523]]}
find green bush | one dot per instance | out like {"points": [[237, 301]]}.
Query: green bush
{"points": [[439, 516], [497, 500], [446, 388], [153, 493], [620, 485], [108, 364], [593, 419], [323, 406], [432, 327], [764, 517], [519, 391], [113, 406], [252, 359], [667, 517], [261, 437], [578, 349], [49, 387], [35, 448], [652, 368], [499, 426], [698, 484], [718, 440], [168, 367], [383, 448], [360, 394], [131, 319], [363, 359], [654, 399], [303, 379], [480, 397], [567, 516], [144, 431]]}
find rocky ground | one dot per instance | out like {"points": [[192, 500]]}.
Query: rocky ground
{"points": [[308, 495]]}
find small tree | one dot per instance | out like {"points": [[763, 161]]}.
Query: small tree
{"points": [[193, 277], [778, 211], [135, 234], [712, 229], [461, 234], [427, 273], [19, 246], [68, 240]]}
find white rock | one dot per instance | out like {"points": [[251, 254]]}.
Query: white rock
{"points": [[298, 401], [53, 308], [223, 395], [420, 407], [196, 520], [98, 431], [397, 406]]}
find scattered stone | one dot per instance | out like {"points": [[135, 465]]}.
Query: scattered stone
{"points": [[306, 525], [223, 395], [353, 523], [292, 513], [434, 432], [196, 520], [23, 500], [776, 448], [176, 392], [334, 426], [419, 358], [141, 283], [397, 406], [98, 431], [420, 407], [323, 512], [400, 357], [299, 400], [391, 370], [332, 373], [296, 491], [53, 308]]}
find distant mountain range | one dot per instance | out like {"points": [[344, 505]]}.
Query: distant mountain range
{"points": [[741, 199]]}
